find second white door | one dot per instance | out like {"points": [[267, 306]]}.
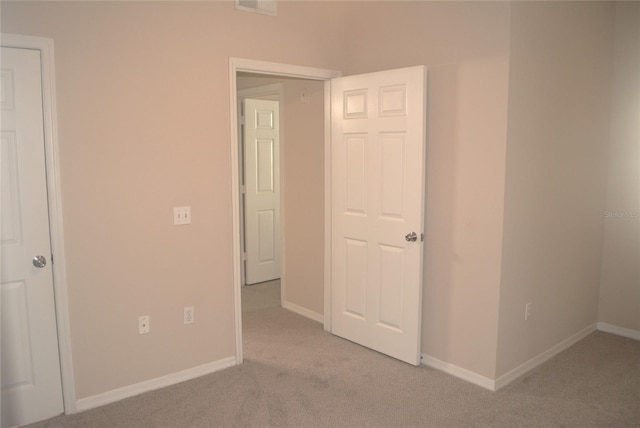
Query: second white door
{"points": [[377, 203], [261, 144]]}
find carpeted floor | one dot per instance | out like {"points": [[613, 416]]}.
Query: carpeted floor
{"points": [[261, 296], [297, 375]]}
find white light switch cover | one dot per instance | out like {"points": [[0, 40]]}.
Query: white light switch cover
{"points": [[181, 215]]}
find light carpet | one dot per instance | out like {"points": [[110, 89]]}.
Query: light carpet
{"points": [[295, 374]]}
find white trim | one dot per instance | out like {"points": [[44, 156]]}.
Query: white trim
{"points": [[303, 311], [153, 384], [270, 68], [459, 372], [272, 92], [619, 331], [279, 69], [327, 206], [46, 48], [235, 208], [507, 378], [534, 362]]}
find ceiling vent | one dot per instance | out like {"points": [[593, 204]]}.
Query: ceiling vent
{"points": [[265, 7]]}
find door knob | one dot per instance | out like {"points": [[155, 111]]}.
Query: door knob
{"points": [[39, 261], [411, 237]]}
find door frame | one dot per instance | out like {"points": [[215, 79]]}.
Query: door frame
{"points": [[46, 49], [280, 70]]}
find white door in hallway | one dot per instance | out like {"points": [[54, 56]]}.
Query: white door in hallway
{"points": [[261, 142], [31, 382], [378, 179]]}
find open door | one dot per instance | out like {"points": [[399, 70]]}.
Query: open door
{"points": [[377, 203], [261, 147], [31, 379]]}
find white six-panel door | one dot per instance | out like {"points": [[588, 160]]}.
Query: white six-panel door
{"points": [[378, 159], [262, 190], [31, 383]]}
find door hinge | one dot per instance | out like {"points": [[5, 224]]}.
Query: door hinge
{"points": [[52, 258], [421, 237]]}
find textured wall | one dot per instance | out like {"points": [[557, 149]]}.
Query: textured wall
{"points": [[143, 116], [559, 97], [518, 102], [620, 286]]}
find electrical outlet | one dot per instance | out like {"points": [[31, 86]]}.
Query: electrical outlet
{"points": [[189, 315], [527, 311], [143, 325]]}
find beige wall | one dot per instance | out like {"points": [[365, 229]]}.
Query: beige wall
{"points": [[518, 99], [143, 96], [466, 47], [302, 190], [620, 283], [559, 92], [304, 196]]}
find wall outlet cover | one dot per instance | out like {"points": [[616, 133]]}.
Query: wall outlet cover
{"points": [[143, 325]]}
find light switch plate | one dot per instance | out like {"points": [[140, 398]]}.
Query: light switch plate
{"points": [[181, 215]]}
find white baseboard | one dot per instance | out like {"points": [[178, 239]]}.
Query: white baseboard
{"points": [[303, 311], [619, 331], [534, 362], [458, 372], [149, 385], [502, 381]]}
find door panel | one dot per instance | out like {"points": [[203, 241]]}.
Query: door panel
{"points": [[266, 229], [262, 190], [31, 383], [356, 281], [391, 286], [378, 158]]}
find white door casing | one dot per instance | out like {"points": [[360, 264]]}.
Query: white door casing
{"points": [[377, 163], [415, 108], [262, 190], [31, 377], [237, 65]]}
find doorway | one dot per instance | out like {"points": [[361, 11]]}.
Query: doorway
{"points": [[300, 107], [259, 126], [377, 123], [274, 71]]}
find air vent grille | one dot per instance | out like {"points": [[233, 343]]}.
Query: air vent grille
{"points": [[265, 7]]}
